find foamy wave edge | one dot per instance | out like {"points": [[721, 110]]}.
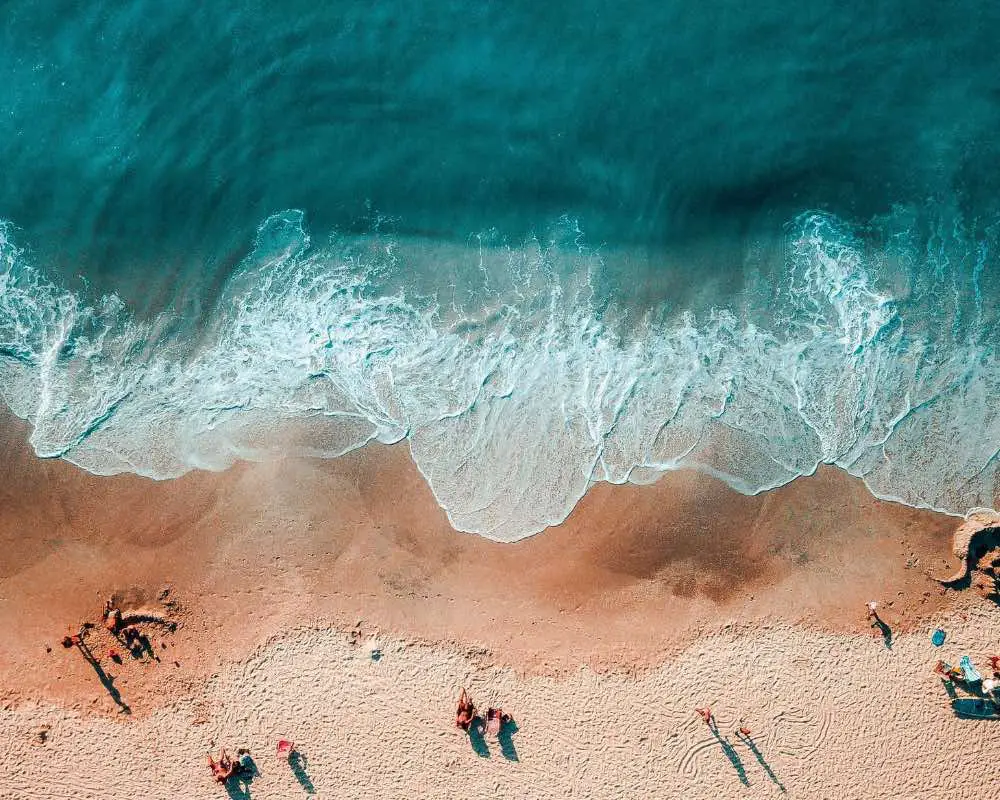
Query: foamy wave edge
{"points": [[515, 404]]}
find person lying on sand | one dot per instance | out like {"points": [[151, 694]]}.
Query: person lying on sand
{"points": [[495, 718], [224, 768], [948, 672], [466, 712], [995, 665]]}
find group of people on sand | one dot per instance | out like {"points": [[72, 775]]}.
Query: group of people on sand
{"points": [[969, 677], [129, 635], [466, 717], [225, 768], [709, 719], [115, 623]]}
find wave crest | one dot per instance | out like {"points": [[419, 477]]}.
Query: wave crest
{"points": [[518, 393]]}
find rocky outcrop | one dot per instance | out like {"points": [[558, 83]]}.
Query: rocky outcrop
{"points": [[976, 536]]}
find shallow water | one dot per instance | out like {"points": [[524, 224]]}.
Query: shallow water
{"points": [[546, 245]]}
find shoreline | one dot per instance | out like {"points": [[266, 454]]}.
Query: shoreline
{"points": [[330, 602], [634, 574]]}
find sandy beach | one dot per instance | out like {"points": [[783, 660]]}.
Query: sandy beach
{"points": [[330, 602], [631, 373]]}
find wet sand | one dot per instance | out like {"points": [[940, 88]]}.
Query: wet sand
{"points": [[356, 550]]}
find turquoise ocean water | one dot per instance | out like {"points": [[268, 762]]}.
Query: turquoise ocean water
{"points": [[547, 244]]}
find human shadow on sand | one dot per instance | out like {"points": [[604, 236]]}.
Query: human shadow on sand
{"points": [[750, 743], [476, 738], [298, 763], [507, 731], [106, 680], [237, 788], [884, 629], [731, 754]]}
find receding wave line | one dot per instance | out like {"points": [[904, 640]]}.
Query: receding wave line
{"points": [[517, 396]]}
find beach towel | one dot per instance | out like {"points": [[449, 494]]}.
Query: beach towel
{"points": [[969, 671]]}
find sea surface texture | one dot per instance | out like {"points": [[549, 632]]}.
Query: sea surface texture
{"points": [[546, 244]]}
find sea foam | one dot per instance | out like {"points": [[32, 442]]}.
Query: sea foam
{"points": [[519, 393]]}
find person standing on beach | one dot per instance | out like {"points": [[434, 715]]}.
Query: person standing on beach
{"points": [[706, 714]]}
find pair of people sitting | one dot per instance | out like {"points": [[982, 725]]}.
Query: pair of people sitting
{"points": [[226, 767], [466, 716]]}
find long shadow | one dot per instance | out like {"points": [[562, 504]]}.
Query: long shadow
{"points": [[106, 680], [507, 730], [477, 740], [297, 762], [732, 755], [885, 630], [760, 759], [238, 788], [248, 768]]}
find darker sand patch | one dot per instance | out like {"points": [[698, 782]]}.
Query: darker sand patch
{"points": [[634, 573]]}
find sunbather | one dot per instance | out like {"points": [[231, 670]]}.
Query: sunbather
{"points": [[495, 719], [948, 672], [466, 712], [224, 768]]}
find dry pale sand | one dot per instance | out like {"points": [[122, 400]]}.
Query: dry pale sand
{"points": [[832, 717], [600, 636]]}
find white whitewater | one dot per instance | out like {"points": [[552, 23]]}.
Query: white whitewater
{"points": [[514, 404]]}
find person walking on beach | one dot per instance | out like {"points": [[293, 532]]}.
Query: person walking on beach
{"points": [[706, 715], [743, 730], [879, 627]]}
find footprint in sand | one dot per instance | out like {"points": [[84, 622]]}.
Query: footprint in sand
{"points": [[690, 764], [798, 733]]}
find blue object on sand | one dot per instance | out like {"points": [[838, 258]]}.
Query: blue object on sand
{"points": [[975, 707], [970, 672], [937, 638]]}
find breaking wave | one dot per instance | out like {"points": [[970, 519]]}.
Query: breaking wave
{"points": [[870, 349]]}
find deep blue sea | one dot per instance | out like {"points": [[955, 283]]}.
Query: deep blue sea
{"points": [[546, 243]]}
